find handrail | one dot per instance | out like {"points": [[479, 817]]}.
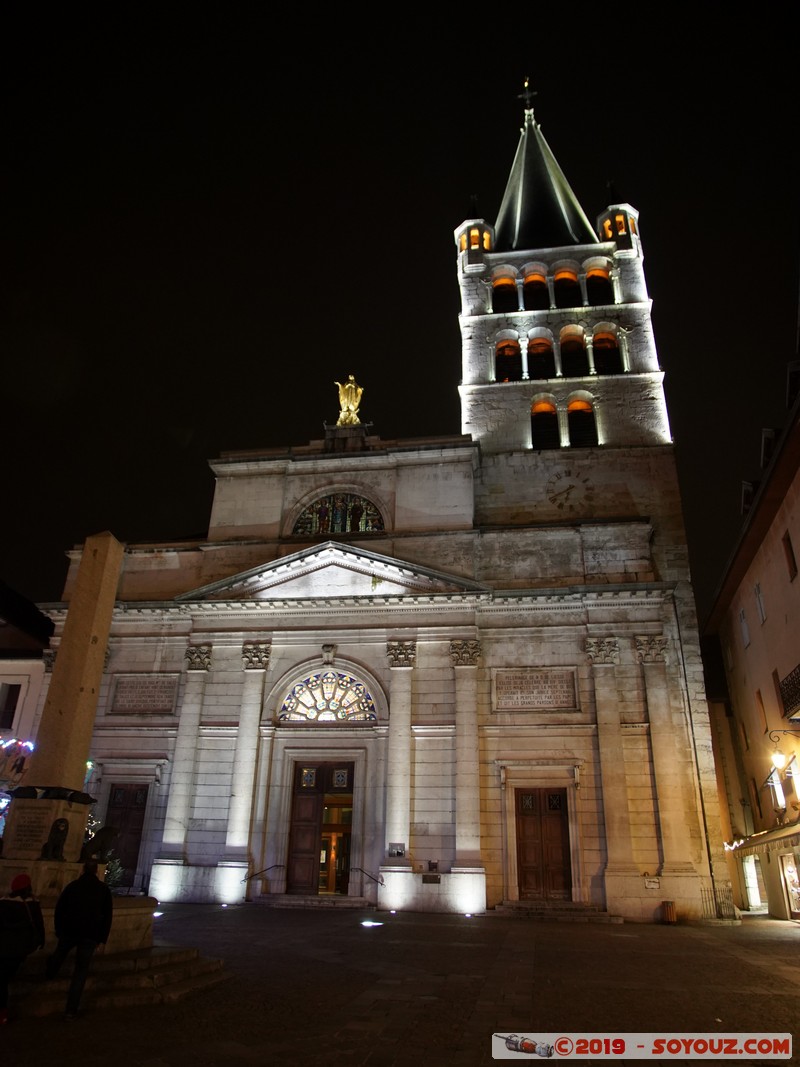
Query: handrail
{"points": [[379, 879], [257, 873]]}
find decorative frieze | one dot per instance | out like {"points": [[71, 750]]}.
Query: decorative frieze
{"points": [[602, 650], [401, 653], [198, 658], [255, 656], [651, 649], [465, 653]]}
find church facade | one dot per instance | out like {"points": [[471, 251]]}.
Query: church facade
{"points": [[438, 674]]}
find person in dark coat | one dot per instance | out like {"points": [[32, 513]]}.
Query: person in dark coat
{"points": [[21, 932], [83, 921]]}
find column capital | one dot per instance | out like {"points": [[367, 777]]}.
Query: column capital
{"points": [[651, 648], [602, 650], [255, 655], [465, 653], [401, 653], [198, 658]]}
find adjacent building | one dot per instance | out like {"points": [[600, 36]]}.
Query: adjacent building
{"points": [[755, 694], [441, 673]]}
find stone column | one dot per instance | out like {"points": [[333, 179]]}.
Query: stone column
{"points": [[589, 342], [402, 656], [47, 818], [603, 654], [64, 736], [255, 661], [667, 766], [464, 656], [181, 787]]}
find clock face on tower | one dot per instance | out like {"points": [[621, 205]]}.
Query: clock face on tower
{"points": [[570, 490]]}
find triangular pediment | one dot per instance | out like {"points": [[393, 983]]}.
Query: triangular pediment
{"points": [[332, 570]]}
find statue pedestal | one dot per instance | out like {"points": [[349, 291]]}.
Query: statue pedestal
{"points": [[49, 829]]}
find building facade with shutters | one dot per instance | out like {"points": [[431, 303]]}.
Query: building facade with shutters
{"points": [[755, 705], [438, 674]]}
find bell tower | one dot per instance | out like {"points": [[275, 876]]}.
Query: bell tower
{"points": [[557, 344]]}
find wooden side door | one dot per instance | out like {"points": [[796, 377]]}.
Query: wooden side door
{"points": [[543, 859], [127, 805]]}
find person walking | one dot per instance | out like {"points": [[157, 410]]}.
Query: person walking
{"points": [[83, 921], [21, 932]]}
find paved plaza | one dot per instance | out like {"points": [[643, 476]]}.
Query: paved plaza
{"points": [[318, 987]]}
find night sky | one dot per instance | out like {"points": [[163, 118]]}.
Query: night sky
{"points": [[207, 221]]}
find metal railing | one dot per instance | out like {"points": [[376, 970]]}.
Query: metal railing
{"points": [[257, 873], [379, 879]]}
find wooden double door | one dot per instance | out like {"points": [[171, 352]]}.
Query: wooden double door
{"points": [[543, 856], [321, 827]]}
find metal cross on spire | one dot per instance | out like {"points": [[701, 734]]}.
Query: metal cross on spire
{"points": [[528, 95]]}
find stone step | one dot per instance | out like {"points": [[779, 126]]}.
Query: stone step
{"points": [[291, 900], [560, 911], [161, 975]]}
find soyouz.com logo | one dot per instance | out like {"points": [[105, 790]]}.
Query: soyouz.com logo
{"points": [[641, 1046]]}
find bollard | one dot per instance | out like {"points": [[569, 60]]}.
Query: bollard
{"points": [[668, 909]]}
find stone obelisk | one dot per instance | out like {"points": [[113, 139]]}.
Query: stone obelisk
{"points": [[47, 818]]}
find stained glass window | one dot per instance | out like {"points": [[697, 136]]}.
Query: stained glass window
{"points": [[328, 697], [339, 513]]}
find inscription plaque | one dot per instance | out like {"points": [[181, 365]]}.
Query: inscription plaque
{"points": [[144, 694], [535, 688]]}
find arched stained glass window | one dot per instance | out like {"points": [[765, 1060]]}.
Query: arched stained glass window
{"points": [[339, 513], [328, 697]]}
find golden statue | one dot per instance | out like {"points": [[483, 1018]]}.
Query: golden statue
{"points": [[349, 399]]}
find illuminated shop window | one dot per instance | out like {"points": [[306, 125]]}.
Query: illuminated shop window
{"points": [[328, 697], [544, 425], [339, 513], [508, 362], [582, 426]]}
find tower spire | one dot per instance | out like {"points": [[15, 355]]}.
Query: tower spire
{"points": [[539, 208]]}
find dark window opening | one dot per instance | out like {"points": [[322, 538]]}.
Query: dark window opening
{"points": [[504, 296], [544, 427], [535, 294], [541, 360], [599, 289], [582, 426], [574, 359], [607, 356], [567, 290], [508, 362]]}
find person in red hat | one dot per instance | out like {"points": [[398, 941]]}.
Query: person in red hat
{"points": [[21, 932]]}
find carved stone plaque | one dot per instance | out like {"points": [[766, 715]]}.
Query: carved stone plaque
{"points": [[535, 689], [144, 694]]}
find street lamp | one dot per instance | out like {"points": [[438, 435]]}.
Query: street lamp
{"points": [[778, 758]]}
